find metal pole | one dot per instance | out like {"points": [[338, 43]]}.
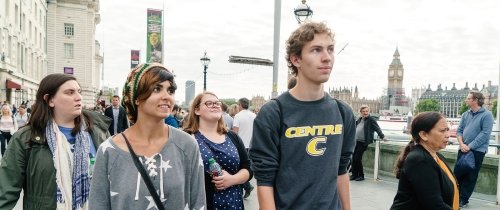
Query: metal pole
{"points": [[376, 161], [276, 45], [498, 129], [205, 78]]}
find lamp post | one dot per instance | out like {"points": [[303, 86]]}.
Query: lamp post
{"points": [[276, 45], [303, 12], [205, 61]]}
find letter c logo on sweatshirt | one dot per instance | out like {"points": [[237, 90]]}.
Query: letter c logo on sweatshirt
{"points": [[313, 148]]}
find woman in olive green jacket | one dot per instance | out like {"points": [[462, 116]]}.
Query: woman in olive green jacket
{"points": [[58, 130]]}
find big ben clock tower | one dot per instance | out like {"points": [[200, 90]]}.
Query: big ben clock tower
{"points": [[395, 79]]}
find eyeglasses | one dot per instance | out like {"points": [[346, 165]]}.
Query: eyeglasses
{"points": [[212, 104]]}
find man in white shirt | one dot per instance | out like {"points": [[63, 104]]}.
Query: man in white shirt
{"points": [[243, 126], [227, 118]]}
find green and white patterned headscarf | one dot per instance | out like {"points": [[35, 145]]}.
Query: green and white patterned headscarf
{"points": [[133, 79]]}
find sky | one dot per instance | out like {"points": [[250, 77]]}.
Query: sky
{"points": [[440, 42]]}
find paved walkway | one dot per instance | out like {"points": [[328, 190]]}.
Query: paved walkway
{"points": [[369, 195], [378, 195]]}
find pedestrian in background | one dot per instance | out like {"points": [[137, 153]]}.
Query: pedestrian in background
{"points": [[243, 126], [425, 181], [365, 126], [119, 120], [233, 110], [473, 135], [8, 125], [14, 109], [228, 120], [205, 123], [168, 157], [49, 158], [22, 116], [172, 117]]}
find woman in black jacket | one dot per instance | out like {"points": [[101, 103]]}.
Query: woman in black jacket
{"points": [[207, 125], [425, 181], [365, 126]]}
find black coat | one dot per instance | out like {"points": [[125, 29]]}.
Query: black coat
{"points": [[122, 120], [370, 126], [423, 184]]}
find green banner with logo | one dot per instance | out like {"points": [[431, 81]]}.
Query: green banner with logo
{"points": [[154, 49]]}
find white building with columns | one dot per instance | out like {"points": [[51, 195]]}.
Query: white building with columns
{"points": [[71, 44], [23, 52]]}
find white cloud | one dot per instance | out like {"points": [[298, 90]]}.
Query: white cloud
{"points": [[440, 42]]}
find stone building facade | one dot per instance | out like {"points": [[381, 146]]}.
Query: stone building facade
{"points": [[71, 45], [352, 98], [452, 99], [23, 52]]}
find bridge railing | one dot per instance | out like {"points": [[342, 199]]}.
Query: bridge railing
{"points": [[400, 137]]}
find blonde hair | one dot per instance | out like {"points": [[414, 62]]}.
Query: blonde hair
{"points": [[8, 108], [193, 122], [233, 110], [364, 107]]}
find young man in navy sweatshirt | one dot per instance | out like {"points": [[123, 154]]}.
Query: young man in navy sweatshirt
{"points": [[302, 142]]}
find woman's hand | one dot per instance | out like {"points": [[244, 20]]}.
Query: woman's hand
{"points": [[223, 181]]}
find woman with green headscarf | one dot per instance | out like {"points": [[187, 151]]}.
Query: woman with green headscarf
{"points": [[172, 174]]}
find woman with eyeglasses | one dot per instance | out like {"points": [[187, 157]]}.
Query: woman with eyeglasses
{"points": [[206, 124]]}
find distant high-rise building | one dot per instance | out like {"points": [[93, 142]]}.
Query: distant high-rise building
{"points": [[71, 45], [190, 87]]}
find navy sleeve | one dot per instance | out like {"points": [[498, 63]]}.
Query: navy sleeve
{"points": [[376, 128], [264, 146]]}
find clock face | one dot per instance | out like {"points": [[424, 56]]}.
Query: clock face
{"points": [[391, 73], [400, 73]]}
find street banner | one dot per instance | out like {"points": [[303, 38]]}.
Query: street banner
{"points": [[154, 36], [134, 58]]}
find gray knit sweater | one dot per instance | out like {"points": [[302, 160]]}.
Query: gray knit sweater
{"points": [[116, 183]]}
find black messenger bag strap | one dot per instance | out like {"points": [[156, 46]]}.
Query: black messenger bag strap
{"points": [[145, 176]]}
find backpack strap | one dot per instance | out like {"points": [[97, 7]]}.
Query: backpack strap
{"points": [[341, 109], [280, 115]]}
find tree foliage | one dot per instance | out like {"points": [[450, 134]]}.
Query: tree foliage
{"points": [[463, 108], [427, 105], [229, 102], [494, 109]]}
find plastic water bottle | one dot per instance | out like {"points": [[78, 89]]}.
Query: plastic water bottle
{"points": [[91, 166], [214, 167]]}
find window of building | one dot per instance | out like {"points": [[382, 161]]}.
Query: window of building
{"points": [[68, 70], [7, 8], [31, 30], [69, 29], [16, 13], [23, 22], [9, 50], [68, 50]]}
